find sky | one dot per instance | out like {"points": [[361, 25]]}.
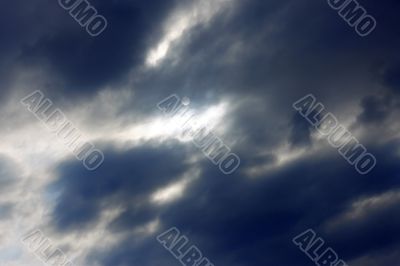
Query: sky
{"points": [[238, 66]]}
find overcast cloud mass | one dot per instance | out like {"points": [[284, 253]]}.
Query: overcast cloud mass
{"points": [[242, 64]]}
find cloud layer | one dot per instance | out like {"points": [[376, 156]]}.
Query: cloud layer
{"points": [[251, 59]]}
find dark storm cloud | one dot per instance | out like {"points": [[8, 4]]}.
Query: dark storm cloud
{"points": [[18, 26], [85, 63], [44, 35], [21, 25], [271, 51], [124, 177], [275, 52], [392, 77], [148, 252], [377, 231], [376, 109], [301, 132], [240, 221], [374, 234], [283, 50]]}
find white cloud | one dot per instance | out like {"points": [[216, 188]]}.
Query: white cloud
{"points": [[180, 22]]}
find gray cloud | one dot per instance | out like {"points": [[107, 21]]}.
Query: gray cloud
{"points": [[259, 57]]}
